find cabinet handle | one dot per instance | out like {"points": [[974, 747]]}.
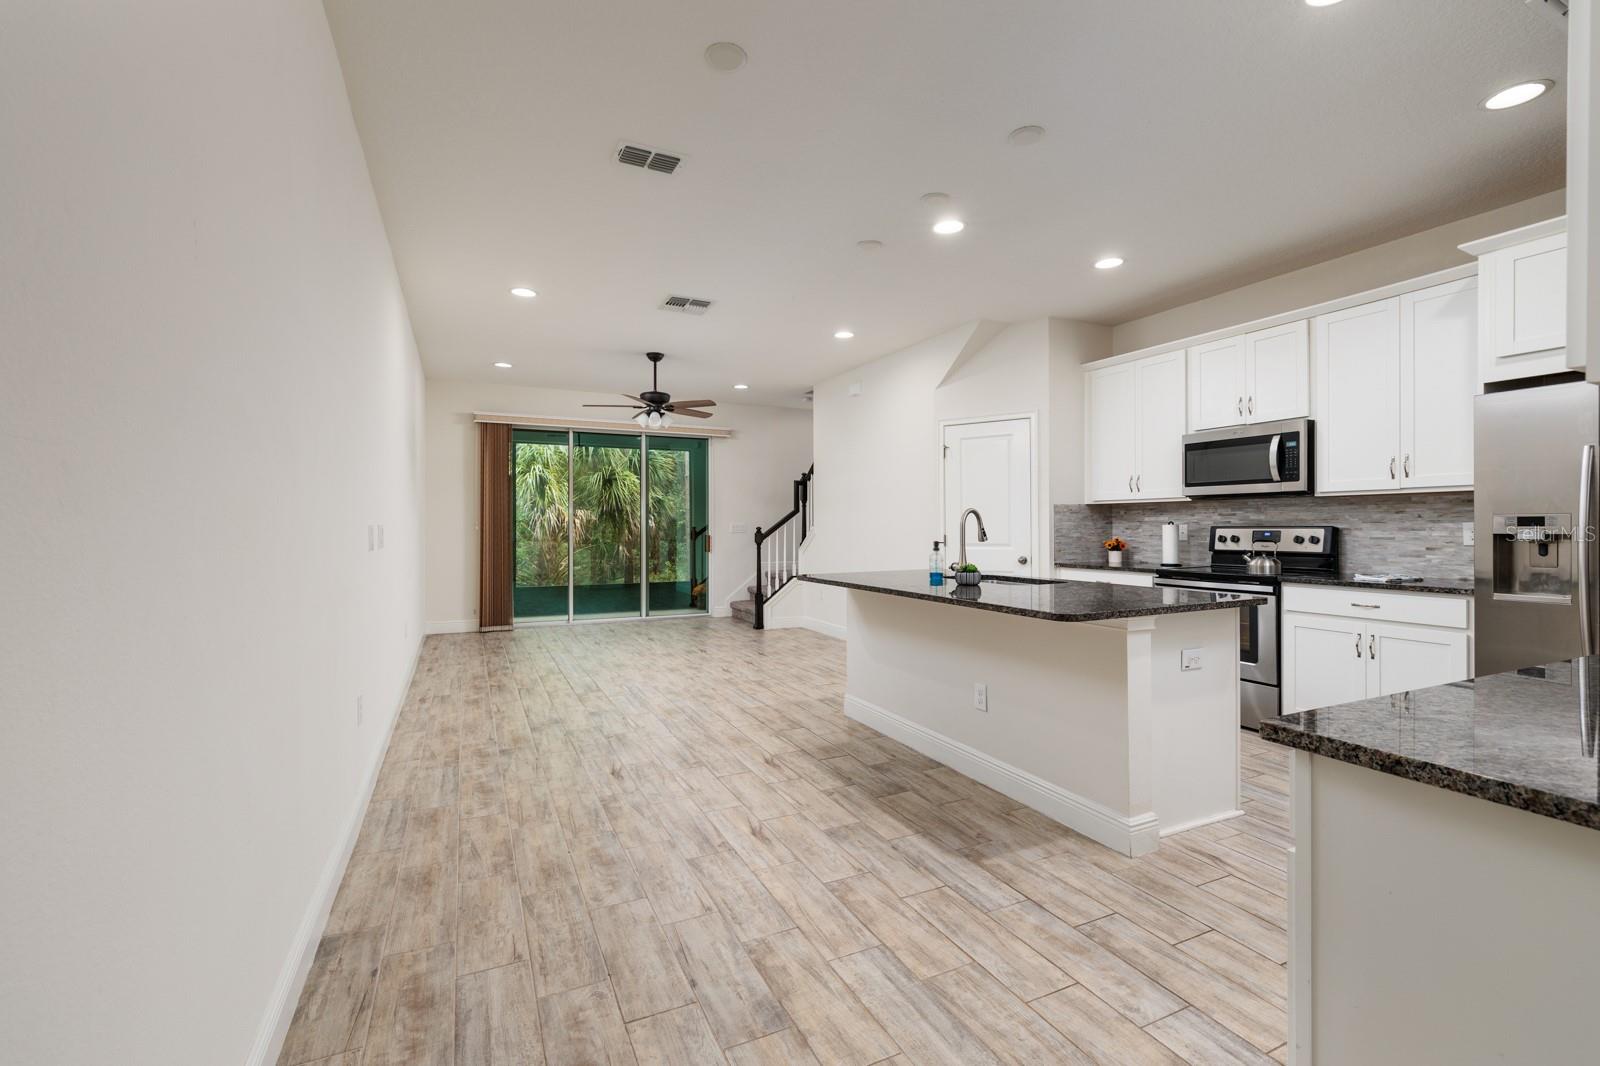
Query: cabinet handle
{"points": [[1367, 606], [1372, 647], [1405, 467], [1391, 468], [1250, 405], [1138, 483], [1238, 405], [1130, 482], [1358, 645]]}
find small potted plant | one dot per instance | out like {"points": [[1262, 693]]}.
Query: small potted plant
{"points": [[1114, 549], [967, 575]]}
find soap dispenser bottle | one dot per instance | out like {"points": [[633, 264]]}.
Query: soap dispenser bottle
{"points": [[936, 565]]}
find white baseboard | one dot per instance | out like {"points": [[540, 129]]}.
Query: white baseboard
{"points": [[1130, 836], [1168, 830], [817, 625], [292, 978], [738, 592], [459, 625]]}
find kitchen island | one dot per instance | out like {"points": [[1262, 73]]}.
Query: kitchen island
{"points": [[1444, 882], [1071, 697]]}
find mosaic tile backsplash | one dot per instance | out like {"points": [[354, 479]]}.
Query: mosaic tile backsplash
{"points": [[1417, 534]]}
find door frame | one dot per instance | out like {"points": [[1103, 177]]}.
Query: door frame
{"points": [[1035, 471]]}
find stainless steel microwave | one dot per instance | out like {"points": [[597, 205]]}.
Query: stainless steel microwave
{"points": [[1249, 460]]}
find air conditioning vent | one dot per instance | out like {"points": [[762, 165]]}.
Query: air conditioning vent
{"points": [[640, 155], [686, 305]]}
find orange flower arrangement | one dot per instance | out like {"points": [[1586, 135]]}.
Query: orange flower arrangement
{"points": [[1116, 544]]}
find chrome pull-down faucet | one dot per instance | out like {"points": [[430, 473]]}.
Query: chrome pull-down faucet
{"points": [[982, 534]]}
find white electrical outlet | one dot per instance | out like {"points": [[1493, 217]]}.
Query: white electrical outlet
{"points": [[1191, 659], [1183, 531], [361, 709], [1467, 534], [980, 697]]}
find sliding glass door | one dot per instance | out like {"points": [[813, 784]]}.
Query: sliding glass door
{"points": [[608, 525]]}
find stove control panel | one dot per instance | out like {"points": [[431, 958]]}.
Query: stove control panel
{"points": [[1285, 540]]}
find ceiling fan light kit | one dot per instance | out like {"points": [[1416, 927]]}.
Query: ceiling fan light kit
{"points": [[656, 408]]}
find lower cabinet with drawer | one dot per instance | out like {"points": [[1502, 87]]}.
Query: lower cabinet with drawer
{"points": [[1340, 645]]}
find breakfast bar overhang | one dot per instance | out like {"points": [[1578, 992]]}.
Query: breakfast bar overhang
{"points": [[1112, 709]]}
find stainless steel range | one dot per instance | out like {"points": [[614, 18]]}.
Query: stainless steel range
{"points": [[1305, 551]]}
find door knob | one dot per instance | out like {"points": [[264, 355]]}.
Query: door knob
{"points": [[1023, 559]]}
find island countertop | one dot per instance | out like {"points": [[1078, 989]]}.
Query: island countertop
{"points": [[1525, 739], [1053, 601]]}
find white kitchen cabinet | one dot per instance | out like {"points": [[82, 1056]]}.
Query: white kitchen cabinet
{"points": [[1105, 577], [1112, 399], [1395, 385], [1278, 364], [1438, 380], [1161, 427], [1135, 426], [1522, 314], [1357, 353], [1341, 644], [1263, 376], [1217, 384]]}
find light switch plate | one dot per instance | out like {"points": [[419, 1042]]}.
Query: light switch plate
{"points": [[1468, 536], [1183, 531], [1191, 659], [738, 527], [980, 697]]}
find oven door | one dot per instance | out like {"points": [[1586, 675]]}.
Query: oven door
{"points": [[1272, 457], [1258, 625]]}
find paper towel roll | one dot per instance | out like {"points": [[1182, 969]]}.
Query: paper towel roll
{"points": [[1169, 544]]}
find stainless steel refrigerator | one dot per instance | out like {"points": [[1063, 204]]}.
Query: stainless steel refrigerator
{"points": [[1534, 525]]}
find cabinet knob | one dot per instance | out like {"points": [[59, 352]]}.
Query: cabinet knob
{"points": [[1023, 559]]}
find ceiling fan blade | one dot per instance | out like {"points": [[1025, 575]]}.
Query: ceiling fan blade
{"points": [[694, 403], [635, 399], [631, 406], [691, 412]]}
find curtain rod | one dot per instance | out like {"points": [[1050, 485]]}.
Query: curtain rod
{"points": [[629, 426]]}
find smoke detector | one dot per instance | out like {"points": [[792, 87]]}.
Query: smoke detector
{"points": [[686, 305], [631, 154]]}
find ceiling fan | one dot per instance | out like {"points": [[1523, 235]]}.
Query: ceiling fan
{"points": [[655, 407]]}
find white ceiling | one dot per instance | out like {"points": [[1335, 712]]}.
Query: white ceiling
{"points": [[1210, 142]]}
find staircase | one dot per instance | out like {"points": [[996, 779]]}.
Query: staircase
{"points": [[778, 553]]}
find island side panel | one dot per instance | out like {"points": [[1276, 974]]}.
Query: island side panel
{"points": [[1445, 928], [1195, 725], [1057, 733]]}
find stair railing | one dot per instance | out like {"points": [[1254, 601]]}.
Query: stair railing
{"points": [[778, 545]]}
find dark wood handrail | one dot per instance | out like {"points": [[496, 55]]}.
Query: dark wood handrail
{"points": [[802, 496]]}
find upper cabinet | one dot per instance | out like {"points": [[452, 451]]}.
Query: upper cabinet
{"points": [[1255, 377], [1395, 382], [1522, 301], [1135, 426]]}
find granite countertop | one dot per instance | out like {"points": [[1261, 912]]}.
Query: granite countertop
{"points": [[1525, 739], [1053, 601], [1136, 568], [1446, 586]]}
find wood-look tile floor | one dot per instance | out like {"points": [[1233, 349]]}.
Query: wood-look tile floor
{"points": [[664, 843]]}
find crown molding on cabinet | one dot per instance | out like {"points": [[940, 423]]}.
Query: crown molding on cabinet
{"points": [[1548, 228], [1383, 292]]}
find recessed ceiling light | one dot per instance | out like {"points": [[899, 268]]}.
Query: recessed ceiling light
{"points": [[725, 57], [524, 292], [503, 366], [869, 246], [1025, 135], [1517, 94], [947, 226], [843, 335], [936, 199], [1110, 262], [741, 387], [1321, 3]]}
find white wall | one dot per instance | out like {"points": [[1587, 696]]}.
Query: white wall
{"points": [[878, 441], [1383, 264], [752, 476], [208, 390]]}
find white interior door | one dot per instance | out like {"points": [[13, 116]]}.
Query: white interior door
{"points": [[989, 466]]}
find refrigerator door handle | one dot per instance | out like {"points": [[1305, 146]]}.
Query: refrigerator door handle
{"points": [[1585, 520]]}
